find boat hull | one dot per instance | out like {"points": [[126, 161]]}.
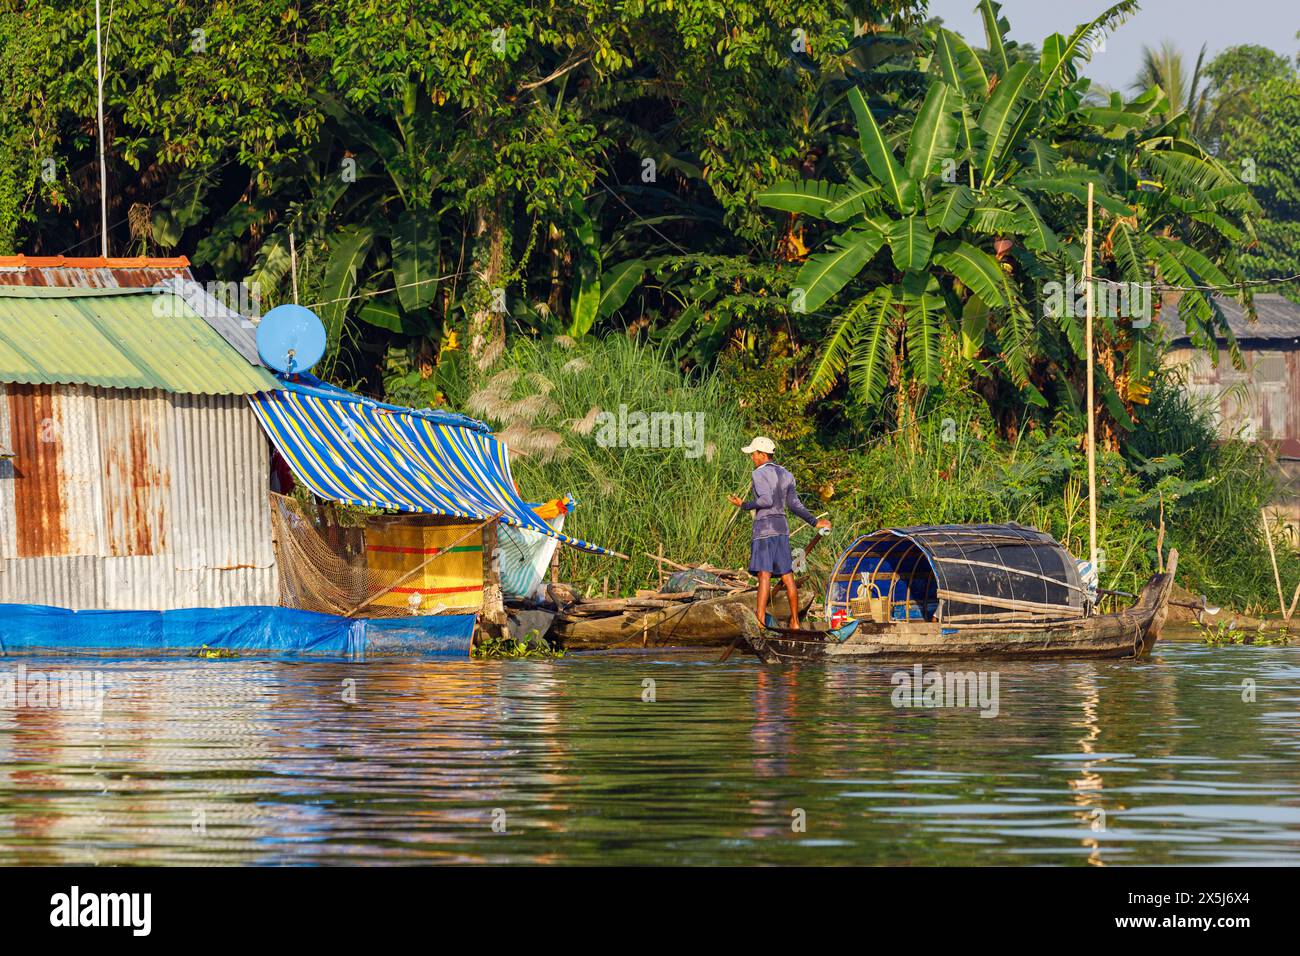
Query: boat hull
{"points": [[1130, 633], [689, 625]]}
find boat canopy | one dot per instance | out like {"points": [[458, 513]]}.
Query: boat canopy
{"points": [[352, 449], [958, 573]]}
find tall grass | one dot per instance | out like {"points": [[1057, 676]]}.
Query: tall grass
{"points": [[546, 402]]}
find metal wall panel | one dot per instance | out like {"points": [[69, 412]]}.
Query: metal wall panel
{"points": [[1259, 403], [179, 488], [135, 435], [57, 507], [8, 518]]}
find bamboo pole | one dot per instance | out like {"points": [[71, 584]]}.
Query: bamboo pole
{"points": [[1092, 412], [1272, 556], [293, 266], [103, 173]]}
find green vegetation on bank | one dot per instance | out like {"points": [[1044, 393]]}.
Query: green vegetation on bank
{"points": [[658, 488], [948, 465]]}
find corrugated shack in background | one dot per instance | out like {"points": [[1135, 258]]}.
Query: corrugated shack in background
{"points": [[1261, 402], [135, 473]]}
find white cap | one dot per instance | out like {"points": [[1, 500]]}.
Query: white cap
{"points": [[761, 443]]}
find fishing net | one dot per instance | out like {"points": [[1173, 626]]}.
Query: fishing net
{"points": [[385, 567]]}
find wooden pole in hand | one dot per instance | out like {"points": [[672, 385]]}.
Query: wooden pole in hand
{"points": [[1092, 412]]}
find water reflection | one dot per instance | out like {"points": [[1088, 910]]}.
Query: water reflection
{"points": [[234, 761]]}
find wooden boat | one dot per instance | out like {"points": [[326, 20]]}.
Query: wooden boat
{"points": [[659, 620], [1020, 609], [682, 613]]}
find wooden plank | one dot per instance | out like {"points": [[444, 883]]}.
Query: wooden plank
{"points": [[1010, 604], [1000, 567]]}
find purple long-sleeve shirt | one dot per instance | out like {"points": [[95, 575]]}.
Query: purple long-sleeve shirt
{"points": [[774, 492]]}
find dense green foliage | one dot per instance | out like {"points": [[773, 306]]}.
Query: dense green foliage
{"points": [[1260, 137], [429, 153]]}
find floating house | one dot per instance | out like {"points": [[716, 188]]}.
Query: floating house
{"points": [[141, 439]]}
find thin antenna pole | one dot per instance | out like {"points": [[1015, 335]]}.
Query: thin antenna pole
{"points": [[103, 174], [293, 266], [1092, 411]]}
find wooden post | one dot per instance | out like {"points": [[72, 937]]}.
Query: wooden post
{"points": [[1092, 411], [494, 608], [1272, 556], [1160, 539], [555, 565], [293, 266]]}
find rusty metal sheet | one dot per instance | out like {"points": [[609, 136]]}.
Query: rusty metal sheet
{"points": [[91, 272], [55, 487], [180, 484], [133, 426], [38, 512]]}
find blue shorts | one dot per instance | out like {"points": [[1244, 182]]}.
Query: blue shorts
{"points": [[770, 554]]}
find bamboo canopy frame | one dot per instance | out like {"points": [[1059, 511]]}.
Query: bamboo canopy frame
{"points": [[961, 573]]}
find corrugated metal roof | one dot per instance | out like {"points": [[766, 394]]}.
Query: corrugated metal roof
{"points": [[1279, 318], [115, 339], [91, 272], [236, 329]]}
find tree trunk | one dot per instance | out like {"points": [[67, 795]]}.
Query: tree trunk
{"points": [[560, 261], [488, 304], [898, 380]]}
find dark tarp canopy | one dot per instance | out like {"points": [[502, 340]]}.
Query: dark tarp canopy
{"points": [[961, 573]]}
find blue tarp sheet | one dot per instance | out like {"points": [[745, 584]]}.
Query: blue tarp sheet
{"points": [[273, 631]]}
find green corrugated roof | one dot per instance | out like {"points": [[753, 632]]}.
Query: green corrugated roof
{"points": [[113, 338]]}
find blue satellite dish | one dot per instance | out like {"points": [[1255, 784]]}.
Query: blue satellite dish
{"points": [[290, 339]]}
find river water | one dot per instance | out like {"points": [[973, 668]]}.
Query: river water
{"points": [[1192, 757]]}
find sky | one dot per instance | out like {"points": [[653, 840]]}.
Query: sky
{"points": [[1188, 23]]}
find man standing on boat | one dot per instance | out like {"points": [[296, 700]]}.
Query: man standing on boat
{"points": [[769, 550]]}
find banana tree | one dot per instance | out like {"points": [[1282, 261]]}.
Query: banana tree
{"points": [[942, 210], [952, 220]]}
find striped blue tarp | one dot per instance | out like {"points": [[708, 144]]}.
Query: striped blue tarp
{"points": [[353, 449]]}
